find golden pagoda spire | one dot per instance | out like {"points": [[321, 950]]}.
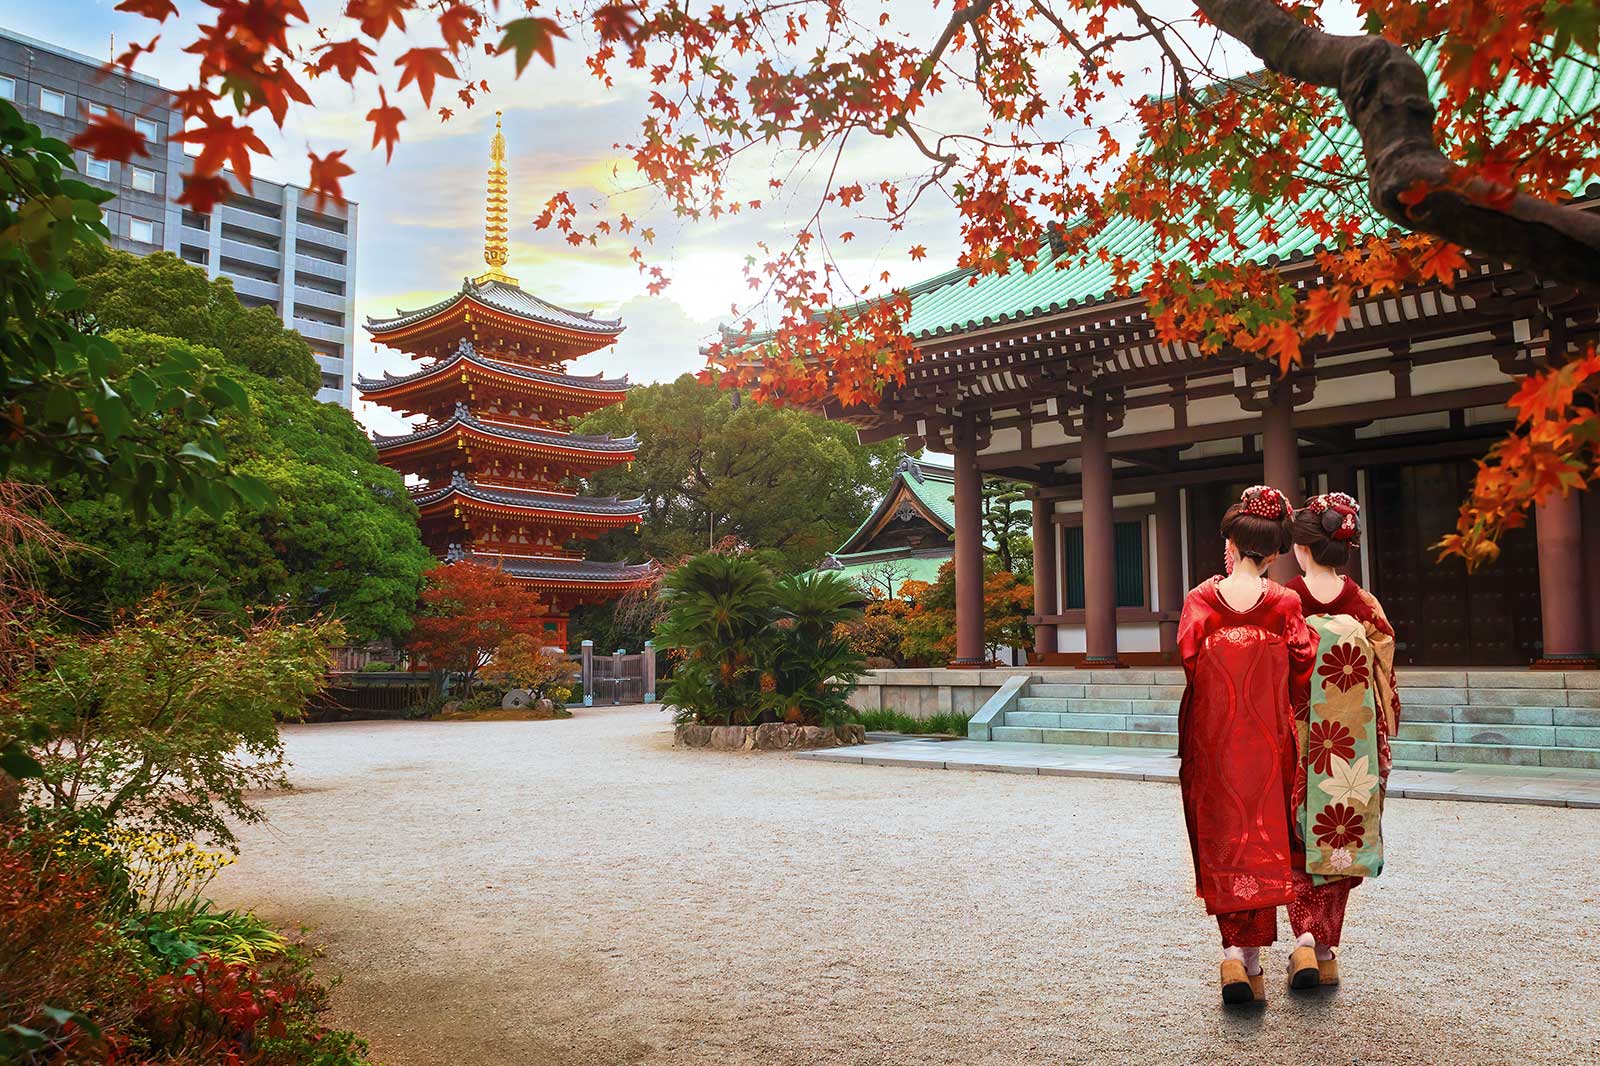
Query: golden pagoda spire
{"points": [[495, 248]]}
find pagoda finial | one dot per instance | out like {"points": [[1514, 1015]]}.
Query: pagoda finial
{"points": [[496, 251]]}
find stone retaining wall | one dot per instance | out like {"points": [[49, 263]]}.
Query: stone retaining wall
{"points": [[771, 736], [924, 693]]}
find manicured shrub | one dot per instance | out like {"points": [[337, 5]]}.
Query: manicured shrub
{"points": [[754, 649]]}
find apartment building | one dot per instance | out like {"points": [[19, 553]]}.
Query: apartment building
{"points": [[275, 244]]}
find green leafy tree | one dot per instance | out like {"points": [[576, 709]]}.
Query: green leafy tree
{"points": [[72, 405], [790, 485], [162, 294], [1007, 526], [334, 531], [165, 721]]}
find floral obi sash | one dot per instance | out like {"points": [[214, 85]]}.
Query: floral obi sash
{"points": [[1341, 805]]}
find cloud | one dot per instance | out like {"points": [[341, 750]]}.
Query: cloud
{"points": [[662, 341]]}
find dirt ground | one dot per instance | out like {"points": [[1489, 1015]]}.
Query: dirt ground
{"points": [[580, 892]]}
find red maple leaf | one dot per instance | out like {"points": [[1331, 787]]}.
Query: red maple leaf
{"points": [[150, 9], [222, 141], [376, 16], [385, 123], [424, 65], [459, 26], [326, 173], [108, 137], [617, 22], [203, 192], [345, 57], [919, 252]]}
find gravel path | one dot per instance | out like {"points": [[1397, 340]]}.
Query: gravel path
{"points": [[580, 892]]}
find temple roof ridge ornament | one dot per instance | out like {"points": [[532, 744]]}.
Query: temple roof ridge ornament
{"points": [[496, 249]]}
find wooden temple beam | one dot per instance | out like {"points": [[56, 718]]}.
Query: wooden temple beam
{"points": [[1399, 407], [1245, 468]]}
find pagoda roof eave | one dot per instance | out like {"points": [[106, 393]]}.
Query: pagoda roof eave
{"points": [[604, 447], [548, 570], [507, 299], [584, 507], [605, 389]]}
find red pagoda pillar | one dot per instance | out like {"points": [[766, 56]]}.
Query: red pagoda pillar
{"points": [[1591, 564], [1169, 566]]}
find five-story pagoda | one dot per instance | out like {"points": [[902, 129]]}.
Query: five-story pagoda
{"points": [[493, 461]]}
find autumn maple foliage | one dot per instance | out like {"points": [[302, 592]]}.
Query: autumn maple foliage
{"points": [[469, 610], [1041, 122]]}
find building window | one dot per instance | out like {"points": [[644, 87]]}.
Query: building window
{"points": [[142, 230], [98, 168], [144, 180], [97, 109], [1130, 565], [147, 129], [332, 381], [195, 220], [53, 102], [8, 88]]}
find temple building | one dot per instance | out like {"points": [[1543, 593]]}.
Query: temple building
{"points": [[908, 536], [1134, 447], [492, 463]]}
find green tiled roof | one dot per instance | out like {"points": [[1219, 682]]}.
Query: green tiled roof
{"points": [[865, 565], [954, 302]]}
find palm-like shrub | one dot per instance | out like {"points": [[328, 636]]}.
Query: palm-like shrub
{"points": [[756, 649], [718, 607]]}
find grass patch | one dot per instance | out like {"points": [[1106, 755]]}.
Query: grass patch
{"points": [[895, 722], [504, 714]]}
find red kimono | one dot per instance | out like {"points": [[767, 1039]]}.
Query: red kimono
{"points": [[1247, 671]]}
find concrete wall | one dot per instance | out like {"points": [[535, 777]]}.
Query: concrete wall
{"points": [[924, 693]]}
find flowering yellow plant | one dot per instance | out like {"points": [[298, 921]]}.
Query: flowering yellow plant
{"points": [[164, 870]]}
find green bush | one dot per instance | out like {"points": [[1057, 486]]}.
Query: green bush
{"points": [[174, 937], [167, 723], [754, 649], [895, 722]]}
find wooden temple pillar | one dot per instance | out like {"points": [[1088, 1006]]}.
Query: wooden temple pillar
{"points": [[968, 552], [1169, 567], [1559, 528], [1280, 461], [1590, 508], [1046, 582], [1099, 544]]}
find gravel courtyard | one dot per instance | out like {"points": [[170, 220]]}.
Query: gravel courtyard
{"points": [[580, 892]]}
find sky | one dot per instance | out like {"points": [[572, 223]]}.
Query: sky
{"points": [[421, 215]]}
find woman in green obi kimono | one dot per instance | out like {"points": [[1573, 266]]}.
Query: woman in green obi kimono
{"points": [[1343, 735]]}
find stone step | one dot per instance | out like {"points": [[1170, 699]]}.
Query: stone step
{"points": [[1096, 737], [1140, 723], [1052, 705], [1568, 758]]}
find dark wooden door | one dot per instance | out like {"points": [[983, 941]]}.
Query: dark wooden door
{"points": [[1442, 616], [1208, 502]]}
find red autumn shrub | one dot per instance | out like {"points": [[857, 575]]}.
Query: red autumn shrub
{"points": [[56, 952]]}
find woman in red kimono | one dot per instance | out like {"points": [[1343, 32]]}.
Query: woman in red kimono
{"points": [[1248, 657], [1343, 733]]}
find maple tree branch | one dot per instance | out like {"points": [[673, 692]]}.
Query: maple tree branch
{"points": [[1181, 75], [1385, 94]]}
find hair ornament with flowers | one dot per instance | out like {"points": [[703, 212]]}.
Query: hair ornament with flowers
{"points": [[1339, 513], [1264, 501]]}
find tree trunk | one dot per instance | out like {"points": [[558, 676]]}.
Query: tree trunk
{"points": [[1385, 94]]}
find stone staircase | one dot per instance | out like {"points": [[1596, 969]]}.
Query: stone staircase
{"points": [[1515, 718]]}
